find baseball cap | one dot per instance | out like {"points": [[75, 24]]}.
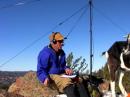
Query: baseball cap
{"points": [[56, 36]]}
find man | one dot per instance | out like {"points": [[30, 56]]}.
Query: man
{"points": [[52, 64]]}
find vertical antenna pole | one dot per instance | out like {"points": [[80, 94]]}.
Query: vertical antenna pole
{"points": [[91, 38]]}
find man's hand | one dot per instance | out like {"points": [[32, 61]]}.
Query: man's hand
{"points": [[46, 82], [68, 71]]}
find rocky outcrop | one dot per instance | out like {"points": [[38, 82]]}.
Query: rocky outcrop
{"points": [[29, 86], [4, 93]]}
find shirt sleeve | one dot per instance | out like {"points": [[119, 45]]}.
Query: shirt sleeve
{"points": [[42, 66]]}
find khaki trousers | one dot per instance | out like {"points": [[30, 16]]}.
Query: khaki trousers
{"points": [[60, 82]]}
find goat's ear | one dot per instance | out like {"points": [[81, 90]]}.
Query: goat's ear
{"points": [[103, 53]]}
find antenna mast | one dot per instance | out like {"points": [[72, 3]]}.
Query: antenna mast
{"points": [[91, 38]]}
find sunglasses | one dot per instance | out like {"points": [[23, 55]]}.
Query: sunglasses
{"points": [[60, 41]]}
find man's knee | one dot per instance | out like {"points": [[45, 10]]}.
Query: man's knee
{"points": [[60, 81]]}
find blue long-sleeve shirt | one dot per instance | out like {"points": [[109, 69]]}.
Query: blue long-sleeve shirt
{"points": [[49, 62]]}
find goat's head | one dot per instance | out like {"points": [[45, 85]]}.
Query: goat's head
{"points": [[127, 49], [128, 38]]}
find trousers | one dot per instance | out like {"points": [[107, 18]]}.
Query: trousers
{"points": [[67, 86], [61, 82]]}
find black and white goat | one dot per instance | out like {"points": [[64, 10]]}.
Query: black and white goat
{"points": [[118, 58]]}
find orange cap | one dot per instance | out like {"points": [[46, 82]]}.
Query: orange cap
{"points": [[56, 36]]}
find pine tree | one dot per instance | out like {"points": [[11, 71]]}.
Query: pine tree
{"points": [[78, 65]]}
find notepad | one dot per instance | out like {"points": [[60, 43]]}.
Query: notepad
{"points": [[68, 76]]}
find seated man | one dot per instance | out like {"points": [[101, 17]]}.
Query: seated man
{"points": [[52, 64]]}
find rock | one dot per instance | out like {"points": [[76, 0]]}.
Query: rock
{"points": [[29, 86], [4, 93]]}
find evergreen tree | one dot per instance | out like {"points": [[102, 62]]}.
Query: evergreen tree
{"points": [[69, 59], [78, 65]]}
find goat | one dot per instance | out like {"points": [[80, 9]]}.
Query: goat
{"points": [[118, 58]]}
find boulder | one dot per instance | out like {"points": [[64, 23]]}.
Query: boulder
{"points": [[29, 86], [4, 93]]}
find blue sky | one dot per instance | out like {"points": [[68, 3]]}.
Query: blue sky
{"points": [[22, 23]]}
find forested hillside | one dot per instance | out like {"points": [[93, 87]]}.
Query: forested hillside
{"points": [[8, 77]]}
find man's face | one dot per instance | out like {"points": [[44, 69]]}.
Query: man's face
{"points": [[59, 44]]}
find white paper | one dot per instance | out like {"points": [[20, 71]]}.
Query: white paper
{"points": [[68, 76]]}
